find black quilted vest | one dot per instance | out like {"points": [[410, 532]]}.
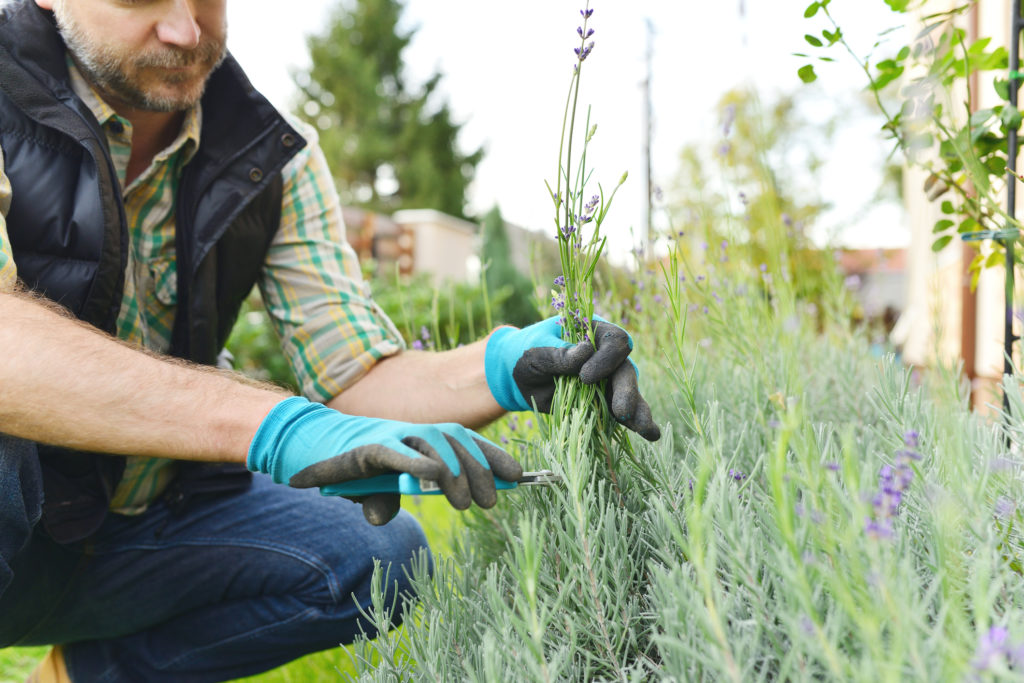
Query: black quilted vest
{"points": [[67, 229]]}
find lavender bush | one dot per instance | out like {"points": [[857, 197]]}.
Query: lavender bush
{"points": [[810, 513]]}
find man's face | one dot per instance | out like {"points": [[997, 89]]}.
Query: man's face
{"points": [[154, 55]]}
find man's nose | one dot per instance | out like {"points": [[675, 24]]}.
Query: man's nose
{"points": [[178, 25]]}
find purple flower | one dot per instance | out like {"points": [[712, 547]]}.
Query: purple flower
{"points": [[417, 344], [557, 302], [568, 230], [586, 13], [737, 475], [1001, 464], [763, 267], [1005, 507], [893, 482], [993, 647], [583, 52], [579, 30], [879, 529], [728, 116], [559, 281]]}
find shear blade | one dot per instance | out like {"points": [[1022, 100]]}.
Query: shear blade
{"points": [[540, 478]]}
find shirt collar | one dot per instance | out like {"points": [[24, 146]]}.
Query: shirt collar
{"points": [[118, 127]]}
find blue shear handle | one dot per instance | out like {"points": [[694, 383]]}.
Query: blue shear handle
{"points": [[403, 483]]}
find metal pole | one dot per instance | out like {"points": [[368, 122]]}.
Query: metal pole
{"points": [[648, 115], [1011, 198]]}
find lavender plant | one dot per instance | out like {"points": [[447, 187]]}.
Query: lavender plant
{"points": [[810, 513]]}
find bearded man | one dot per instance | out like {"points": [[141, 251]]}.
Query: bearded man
{"points": [[160, 519]]}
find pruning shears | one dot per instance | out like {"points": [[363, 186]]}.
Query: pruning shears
{"points": [[408, 485]]}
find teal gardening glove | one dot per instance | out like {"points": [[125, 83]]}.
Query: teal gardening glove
{"points": [[307, 444], [521, 366]]}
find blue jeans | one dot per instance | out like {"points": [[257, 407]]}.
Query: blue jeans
{"points": [[233, 586]]}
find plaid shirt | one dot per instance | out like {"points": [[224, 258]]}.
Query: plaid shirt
{"points": [[330, 329]]}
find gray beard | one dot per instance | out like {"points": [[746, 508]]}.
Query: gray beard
{"points": [[104, 69]]}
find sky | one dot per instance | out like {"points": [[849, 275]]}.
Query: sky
{"points": [[506, 70]]}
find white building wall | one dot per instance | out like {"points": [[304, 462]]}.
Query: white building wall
{"points": [[444, 246]]}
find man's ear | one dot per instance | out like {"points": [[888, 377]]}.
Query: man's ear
{"points": [[45, 4]]}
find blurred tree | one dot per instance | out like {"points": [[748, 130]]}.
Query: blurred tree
{"points": [[390, 146], [756, 187], [505, 283]]}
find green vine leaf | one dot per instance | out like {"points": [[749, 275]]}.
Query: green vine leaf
{"points": [[942, 225], [812, 9], [1010, 117], [940, 244], [832, 37], [1002, 88], [813, 40], [806, 73]]}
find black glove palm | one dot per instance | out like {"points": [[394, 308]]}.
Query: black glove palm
{"points": [[522, 365]]}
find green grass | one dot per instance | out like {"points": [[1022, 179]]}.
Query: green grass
{"points": [[439, 522], [16, 663]]}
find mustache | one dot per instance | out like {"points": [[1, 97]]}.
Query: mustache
{"points": [[208, 52]]}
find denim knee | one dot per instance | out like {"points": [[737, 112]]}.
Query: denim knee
{"points": [[21, 500]]}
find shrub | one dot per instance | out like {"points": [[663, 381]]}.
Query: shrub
{"points": [[810, 512]]}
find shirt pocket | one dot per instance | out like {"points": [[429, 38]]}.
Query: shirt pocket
{"points": [[163, 273]]}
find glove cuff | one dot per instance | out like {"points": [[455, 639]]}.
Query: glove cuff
{"points": [[264, 445], [498, 364]]}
